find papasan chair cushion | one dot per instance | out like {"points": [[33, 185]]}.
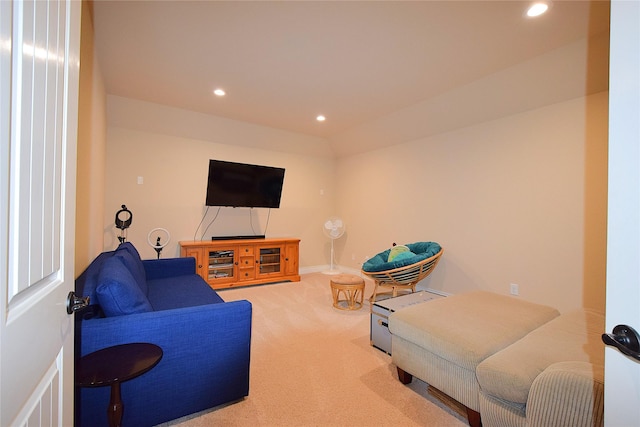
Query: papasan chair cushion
{"points": [[418, 251]]}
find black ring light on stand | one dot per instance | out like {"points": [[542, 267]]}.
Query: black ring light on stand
{"points": [[124, 217]]}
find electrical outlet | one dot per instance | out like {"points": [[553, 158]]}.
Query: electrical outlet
{"points": [[514, 289]]}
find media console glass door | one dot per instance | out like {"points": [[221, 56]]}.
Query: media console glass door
{"points": [[270, 261], [221, 264]]}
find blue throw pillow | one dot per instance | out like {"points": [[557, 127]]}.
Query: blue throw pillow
{"points": [[117, 291], [131, 259], [403, 255]]}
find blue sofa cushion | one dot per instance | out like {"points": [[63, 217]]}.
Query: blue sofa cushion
{"points": [[131, 259], [179, 292], [117, 291], [87, 282], [421, 251]]}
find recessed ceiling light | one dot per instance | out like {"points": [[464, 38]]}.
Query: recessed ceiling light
{"points": [[219, 92], [537, 9], [321, 118]]}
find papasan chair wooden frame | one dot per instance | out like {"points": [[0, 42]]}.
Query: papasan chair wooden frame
{"points": [[402, 278]]}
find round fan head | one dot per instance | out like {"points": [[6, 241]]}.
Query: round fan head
{"points": [[333, 227]]}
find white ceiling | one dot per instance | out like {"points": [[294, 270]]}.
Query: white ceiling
{"points": [[358, 63]]}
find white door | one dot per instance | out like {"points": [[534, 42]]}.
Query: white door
{"points": [[39, 65], [622, 374]]}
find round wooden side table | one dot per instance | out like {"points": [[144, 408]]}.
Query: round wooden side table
{"points": [[352, 289], [114, 365]]}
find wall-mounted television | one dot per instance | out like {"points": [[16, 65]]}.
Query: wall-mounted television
{"points": [[244, 185]]}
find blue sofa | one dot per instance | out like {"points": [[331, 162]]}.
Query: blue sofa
{"points": [[205, 341]]}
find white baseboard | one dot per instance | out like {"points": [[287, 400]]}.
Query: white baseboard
{"points": [[356, 272], [323, 268]]}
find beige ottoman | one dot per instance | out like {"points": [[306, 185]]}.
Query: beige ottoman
{"points": [[351, 288], [443, 342]]}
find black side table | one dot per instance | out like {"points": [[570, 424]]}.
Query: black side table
{"points": [[114, 365]]}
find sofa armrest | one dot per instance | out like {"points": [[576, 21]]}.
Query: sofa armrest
{"points": [[205, 363], [567, 394], [168, 267]]}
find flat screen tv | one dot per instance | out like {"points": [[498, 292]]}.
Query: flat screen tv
{"points": [[243, 185]]}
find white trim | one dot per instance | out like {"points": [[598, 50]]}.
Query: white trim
{"points": [[356, 272]]}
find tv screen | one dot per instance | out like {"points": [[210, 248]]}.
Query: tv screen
{"points": [[243, 185]]}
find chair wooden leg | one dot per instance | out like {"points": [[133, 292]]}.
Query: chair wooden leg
{"points": [[474, 418], [374, 296]]}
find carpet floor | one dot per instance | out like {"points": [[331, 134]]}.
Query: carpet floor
{"points": [[313, 365]]}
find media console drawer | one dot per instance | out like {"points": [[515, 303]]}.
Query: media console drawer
{"points": [[380, 311]]}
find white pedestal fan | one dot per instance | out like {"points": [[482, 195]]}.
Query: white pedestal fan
{"points": [[333, 228]]}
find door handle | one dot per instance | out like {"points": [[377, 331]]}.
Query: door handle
{"points": [[625, 339], [75, 303]]}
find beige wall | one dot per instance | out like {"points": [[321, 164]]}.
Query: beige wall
{"points": [[516, 200], [174, 174], [91, 150]]}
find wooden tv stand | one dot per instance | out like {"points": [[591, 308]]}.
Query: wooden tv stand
{"points": [[244, 262]]}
